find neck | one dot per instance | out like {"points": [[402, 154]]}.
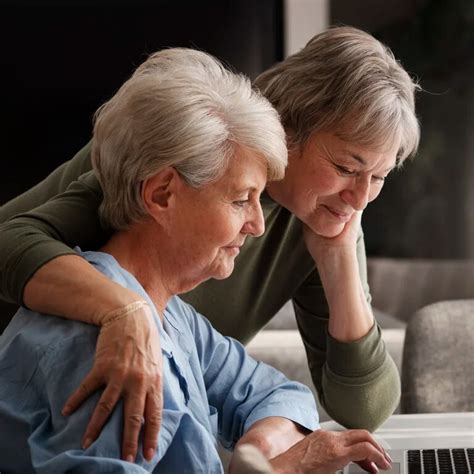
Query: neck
{"points": [[137, 250]]}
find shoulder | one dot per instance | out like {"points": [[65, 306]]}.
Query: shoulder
{"points": [[79, 164], [35, 340], [110, 267]]}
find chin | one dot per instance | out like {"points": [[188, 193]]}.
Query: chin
{"points": [[329, 231], [322, 226], [329, 235], [223, 272]]}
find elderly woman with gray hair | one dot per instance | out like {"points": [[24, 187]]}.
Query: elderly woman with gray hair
{"points": [[348, 110], [182, 151]]}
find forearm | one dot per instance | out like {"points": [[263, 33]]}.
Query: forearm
{"points": [[273, 435], [350, 315], [357, 382], [266, 440], [70, 287], [358, 373]]}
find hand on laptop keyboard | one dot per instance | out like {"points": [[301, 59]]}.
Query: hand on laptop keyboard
{"points": [[325, 452]]}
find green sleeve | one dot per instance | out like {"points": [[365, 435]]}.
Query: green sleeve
{"points": [[51, 186], [358, 382], [30, 239]]}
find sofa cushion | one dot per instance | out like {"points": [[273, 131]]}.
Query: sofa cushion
{"points": [[284, 350]]}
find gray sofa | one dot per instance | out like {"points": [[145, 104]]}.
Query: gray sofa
{"points": [[399, 288], [438, 359]]}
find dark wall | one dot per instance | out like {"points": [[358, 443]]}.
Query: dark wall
{"points": [[61, 62], [63, 59], [426, 210]]}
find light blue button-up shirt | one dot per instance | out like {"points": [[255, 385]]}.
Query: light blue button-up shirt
{"points": [[212, 389]]}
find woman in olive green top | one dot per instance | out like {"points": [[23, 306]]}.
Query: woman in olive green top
{"points": [[348, 109]]}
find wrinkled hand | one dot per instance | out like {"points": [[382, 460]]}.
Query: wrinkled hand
{"points": [[318, 245], [324, 452], [128, 363]]}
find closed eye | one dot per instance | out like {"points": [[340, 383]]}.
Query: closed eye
{"points": [[350, 172], [346, 171], [240, 204]]}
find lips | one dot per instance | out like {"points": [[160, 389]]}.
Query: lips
{"points": [[342, 216], [233, 249]]}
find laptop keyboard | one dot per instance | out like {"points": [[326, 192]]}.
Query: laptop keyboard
{"points": [[441, 461]]}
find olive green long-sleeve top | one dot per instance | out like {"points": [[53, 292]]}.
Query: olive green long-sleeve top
{"points": [[357, 382]]}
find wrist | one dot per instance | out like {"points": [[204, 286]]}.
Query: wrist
{"points": [[70, 287], [350, 315], [280, 465], [274, 435], [120, 313], [339, 274], [335, 258], [111, 301]]}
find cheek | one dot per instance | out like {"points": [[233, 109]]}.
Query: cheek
{"points": [[224, 228], [374, 192], [322, 184]]}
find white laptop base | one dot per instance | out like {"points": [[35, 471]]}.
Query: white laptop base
{"points": [[438, 439], [427, 461]]}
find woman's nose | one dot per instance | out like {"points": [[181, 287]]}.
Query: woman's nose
{"points": [[358, 195], [255, 224]]}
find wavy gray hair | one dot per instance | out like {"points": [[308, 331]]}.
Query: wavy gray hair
{"points": [[180, 108], [345, 81]]}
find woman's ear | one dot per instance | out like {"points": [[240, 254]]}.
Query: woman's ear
{"points": [[159, 192]]}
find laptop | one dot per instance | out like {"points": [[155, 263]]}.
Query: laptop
{"points": [[426, 461], [435, 443]]}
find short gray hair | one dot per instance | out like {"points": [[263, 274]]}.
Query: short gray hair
{"points": [[345, 81], [180, 108]]}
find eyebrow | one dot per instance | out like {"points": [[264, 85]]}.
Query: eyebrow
{"points": [[357, 158], [241, 189], [363, 162]]}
